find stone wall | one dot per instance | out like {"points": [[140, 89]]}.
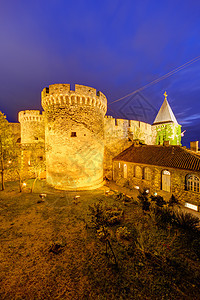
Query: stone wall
{"points": [[119, 135], [178, 180]]}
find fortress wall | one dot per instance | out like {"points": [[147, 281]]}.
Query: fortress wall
{"points": [[119, 135]]}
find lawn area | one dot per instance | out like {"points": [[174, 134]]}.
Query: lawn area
{"points": [[51, 250]]}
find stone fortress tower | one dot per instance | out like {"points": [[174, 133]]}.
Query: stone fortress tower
{"points": [[32, 135], [32, 126], [74, 136]]}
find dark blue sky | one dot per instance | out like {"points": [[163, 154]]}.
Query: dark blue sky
{"points": [[116, 46]]}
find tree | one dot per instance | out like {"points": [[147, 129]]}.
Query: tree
{"points": [[7, 147]]}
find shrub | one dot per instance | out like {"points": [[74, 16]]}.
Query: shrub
{"points": [[143, 197], [158, 200], [127, 184], [123, 197], [103, 215], [119, 196], [173, 201], [123, 233], [164, 216], [186, 221]]}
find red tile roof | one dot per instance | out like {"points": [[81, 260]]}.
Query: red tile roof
{"points": [[166, 156]]}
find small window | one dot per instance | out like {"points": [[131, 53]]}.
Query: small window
{"points": [[73, 134], [192, 183], [125, 171], [166, 181], [138, 172], [36, 138], [147, 173], [116, 122]]}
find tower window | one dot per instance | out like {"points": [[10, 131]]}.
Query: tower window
{"points": [[73, 134]]}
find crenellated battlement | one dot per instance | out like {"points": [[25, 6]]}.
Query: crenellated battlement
{"points": [[112, 125], [61, 95], [30, 115]]}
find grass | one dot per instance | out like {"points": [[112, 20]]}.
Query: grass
{"points": [[49, 250]]}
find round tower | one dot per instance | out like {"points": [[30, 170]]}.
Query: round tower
{"points": [[32, 126], [74, 136]]}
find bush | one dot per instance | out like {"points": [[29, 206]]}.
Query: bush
{"points": [[119, 196], [143, 197], [187, 221], [164, 216], [173, 201], [127, 184], [103, 215], [158, 200], [123, 233]]}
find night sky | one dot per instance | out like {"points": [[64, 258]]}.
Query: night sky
{"points": [[115, 46]]}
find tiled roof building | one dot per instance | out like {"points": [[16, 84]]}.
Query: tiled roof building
{"points": [[164, 170], [167, 156]]}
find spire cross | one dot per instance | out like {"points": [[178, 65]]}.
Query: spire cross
{"points": [[165, 94]]}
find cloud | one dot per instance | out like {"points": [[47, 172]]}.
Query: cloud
{"points": [[191, 119]]}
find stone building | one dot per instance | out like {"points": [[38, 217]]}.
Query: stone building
{"points": [[165, 170], [77, 141]]}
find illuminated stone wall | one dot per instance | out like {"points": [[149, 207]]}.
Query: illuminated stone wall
{"points": [[119, 135], [74, 136]]}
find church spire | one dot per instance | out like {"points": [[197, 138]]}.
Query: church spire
{"points": [[165, 114]]}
